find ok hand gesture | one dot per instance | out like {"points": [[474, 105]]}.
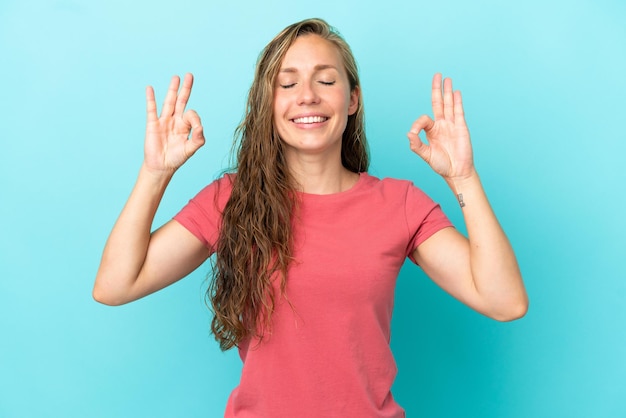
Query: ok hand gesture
{"points": [[449, 151], [177, 134]]}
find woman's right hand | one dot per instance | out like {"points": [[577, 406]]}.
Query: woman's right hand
{"points": [[177, 134]]}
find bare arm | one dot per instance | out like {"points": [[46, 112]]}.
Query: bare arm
{"points": [[480, 270], [136, 262]]}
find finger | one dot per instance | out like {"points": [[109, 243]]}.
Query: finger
{"points": [[170, 98], [437, 99], [192, 119], [151, 107], [424, 122], [459, 113], [197, 136], [196, 140], [183, 96], [448, 101], [418, 146]]}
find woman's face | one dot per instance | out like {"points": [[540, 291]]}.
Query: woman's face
{"points": [[312, 98]]}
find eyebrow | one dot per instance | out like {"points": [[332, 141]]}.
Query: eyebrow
{"points": [[318, 67]]}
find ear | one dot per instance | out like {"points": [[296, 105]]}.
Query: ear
{"points": [[354, 101]]}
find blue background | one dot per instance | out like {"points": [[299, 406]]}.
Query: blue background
{"points": [[544, 89]]}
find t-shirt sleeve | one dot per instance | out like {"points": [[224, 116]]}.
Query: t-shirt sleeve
{"points": [[424, 218], [202, 215]]}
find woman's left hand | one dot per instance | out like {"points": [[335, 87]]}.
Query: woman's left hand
{"points": [[480, 270], [449, 150]]}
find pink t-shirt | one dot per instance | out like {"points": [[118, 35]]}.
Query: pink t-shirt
{"points": [[328, 353]]}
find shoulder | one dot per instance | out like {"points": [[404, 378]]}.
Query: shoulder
{"points": [[202, 214], [217, 191], [391, 187]]}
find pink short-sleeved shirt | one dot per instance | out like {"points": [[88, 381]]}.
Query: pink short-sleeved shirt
{"points": [[328, 353]]}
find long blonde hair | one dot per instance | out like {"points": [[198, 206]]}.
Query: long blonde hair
{"points": [[255, 241]]}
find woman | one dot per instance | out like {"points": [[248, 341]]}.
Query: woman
{"points": [[307, 245]]}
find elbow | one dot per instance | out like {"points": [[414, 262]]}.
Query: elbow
{"points": [[512, 312], [105, 298], [111, 289], [100, 297]]}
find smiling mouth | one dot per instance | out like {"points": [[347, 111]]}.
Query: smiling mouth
{"points": [[310, 119]]}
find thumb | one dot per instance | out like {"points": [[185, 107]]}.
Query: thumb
{"points": [[196, 139], [425, 123]]}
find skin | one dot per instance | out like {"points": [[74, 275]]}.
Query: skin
{"points": [[480, 270], [136, 262], [312, 81]]}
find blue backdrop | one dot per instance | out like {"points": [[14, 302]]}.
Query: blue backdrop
{"points": [[544, 88]]}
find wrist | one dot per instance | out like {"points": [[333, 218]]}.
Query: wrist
{"points": [[159, 178], [458, 184]]}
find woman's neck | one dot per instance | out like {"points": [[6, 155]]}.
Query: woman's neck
{"points": [[321, 176]]}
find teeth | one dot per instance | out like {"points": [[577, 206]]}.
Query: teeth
{"points": [[310, 119]]}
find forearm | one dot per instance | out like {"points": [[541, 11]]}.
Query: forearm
{"points": [[127, 245], [494, 268]]}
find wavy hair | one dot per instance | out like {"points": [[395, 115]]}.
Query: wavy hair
{"points": [[254, 247]]}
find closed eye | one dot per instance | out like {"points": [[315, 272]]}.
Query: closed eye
{"points": [[287, 86], [327, 83]]}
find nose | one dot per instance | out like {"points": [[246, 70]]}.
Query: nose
{"points": [[307, 94]]}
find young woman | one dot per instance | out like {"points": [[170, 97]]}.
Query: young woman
{"points": [[308, 245]]}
